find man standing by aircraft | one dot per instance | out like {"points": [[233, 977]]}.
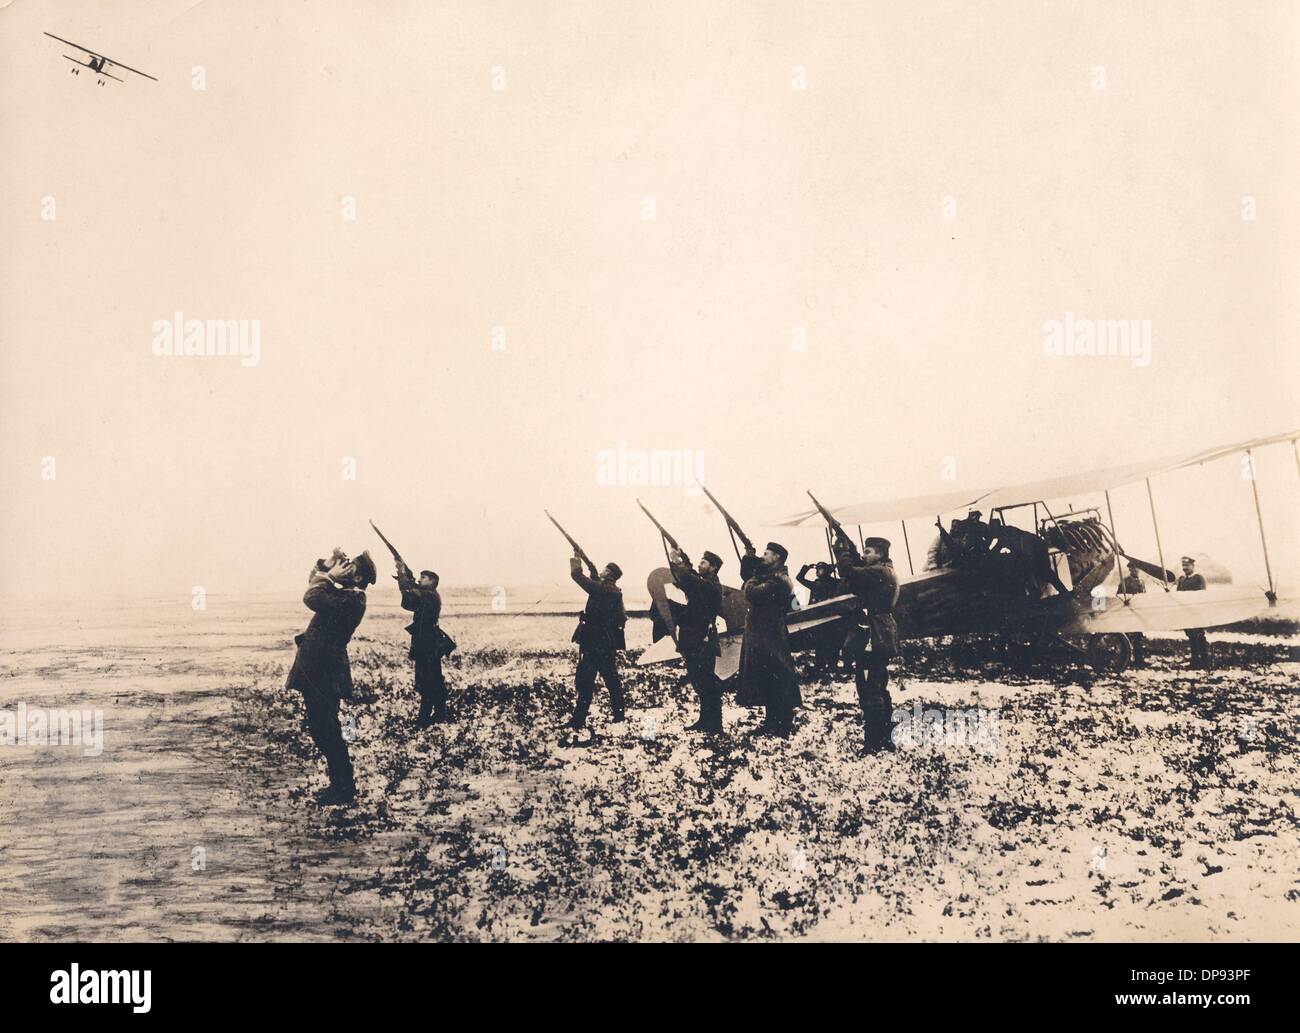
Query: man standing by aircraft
{"points": [[428, 642], [1134, 585], [873, 581], [336, 595], [829, 638], [1194, 582], [697, 633], [767, 674], [599, 637]]}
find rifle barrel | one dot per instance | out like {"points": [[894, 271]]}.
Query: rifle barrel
{"points": [[834, 524], [731, 521], [666, 536], [576, 547], [396, 555]]}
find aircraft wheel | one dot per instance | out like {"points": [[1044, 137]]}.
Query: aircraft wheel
{"points": [[965, 653], [1021, 652], [1109, 653]]}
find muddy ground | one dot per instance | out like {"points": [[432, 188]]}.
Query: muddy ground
{"points": [[1157, 805]]}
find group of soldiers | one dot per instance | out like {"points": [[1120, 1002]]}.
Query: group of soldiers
{"points": [[336, 595], [767, 676]]}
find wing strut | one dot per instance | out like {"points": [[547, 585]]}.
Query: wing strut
{"points": [[1259, 517], [1159, 548], [1110, 515], [908, 547]]}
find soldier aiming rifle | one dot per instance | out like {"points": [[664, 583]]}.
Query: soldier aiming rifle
{"points": [[599, 635], [869, 575], [696, 631], [767, 674], [429, 643]]}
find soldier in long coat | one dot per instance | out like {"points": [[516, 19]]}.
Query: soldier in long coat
{"points": [[336, 595], [767, 674]]}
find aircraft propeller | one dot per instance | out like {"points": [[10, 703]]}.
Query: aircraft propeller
{"points": [[1152, 569]]}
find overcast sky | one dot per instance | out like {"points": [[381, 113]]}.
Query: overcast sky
{"points": [[814, 244]]}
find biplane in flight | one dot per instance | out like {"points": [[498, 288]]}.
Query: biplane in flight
{"points": [[96, 62], [1028, 587]]}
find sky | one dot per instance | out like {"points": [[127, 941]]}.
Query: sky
{"points": [[490, 245]]}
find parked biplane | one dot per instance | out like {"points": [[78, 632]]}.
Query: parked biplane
{"points": [[96, 62], [995, 588]]}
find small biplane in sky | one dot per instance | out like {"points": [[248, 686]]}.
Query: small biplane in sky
{"points": [[96, 62], [1029, 587]]}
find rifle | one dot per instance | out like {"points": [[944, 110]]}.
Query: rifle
{"points": [[667, 537], [731, 521], [577, 549], [397, 557], [840, 534]]}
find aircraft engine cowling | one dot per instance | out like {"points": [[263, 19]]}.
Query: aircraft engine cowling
{"points": [[1088, 547]]}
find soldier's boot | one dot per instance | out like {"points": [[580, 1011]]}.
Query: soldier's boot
{"points": [[438, 699], [877, 732], [616, 698], [336, 794], [423, 719], [342, 788], [710, 721], [579, 719], [782, 723], [874, 739]]}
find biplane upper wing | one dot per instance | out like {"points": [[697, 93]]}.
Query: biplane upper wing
{"points": [[1172, 611], [1092, 481], [107, 59], [888, 510]]}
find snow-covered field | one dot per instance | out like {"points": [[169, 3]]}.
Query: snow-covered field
{"points": [[1157, 805]]}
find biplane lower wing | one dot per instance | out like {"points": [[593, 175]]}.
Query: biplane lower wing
{"points": [[665, 651], [661, 652], [734, 607], [83, 64], [1171, 611]]}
